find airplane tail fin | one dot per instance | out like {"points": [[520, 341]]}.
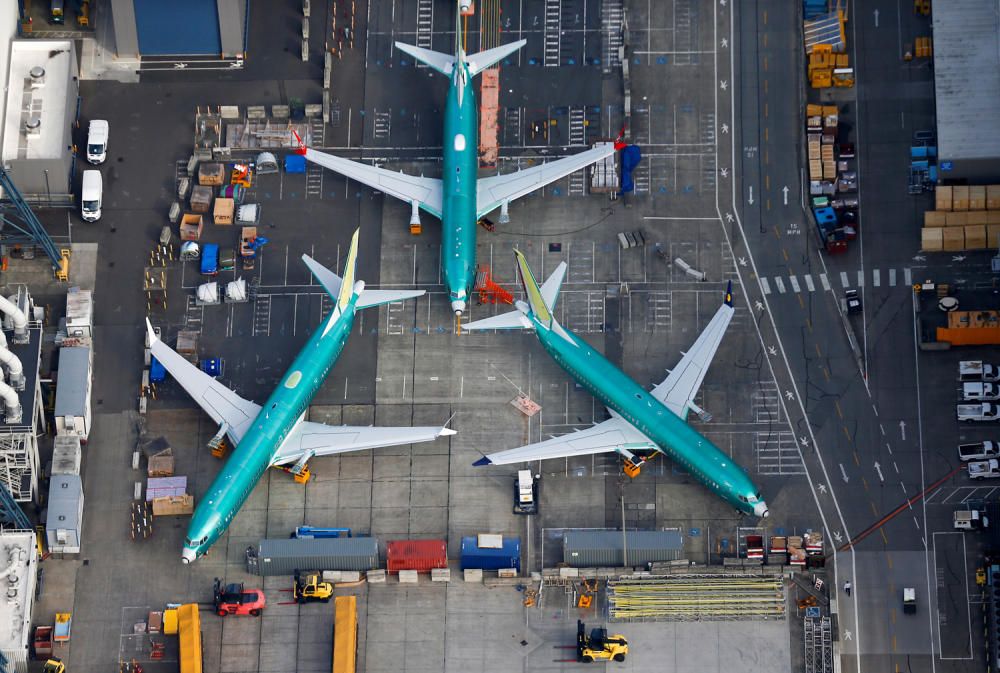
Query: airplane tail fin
{"points": [[484, 59], [339, 288], [541, 301], [443, 63]]}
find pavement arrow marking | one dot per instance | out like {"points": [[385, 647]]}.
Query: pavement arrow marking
{"points": [[843, 473], [876, 18], [784, 193], [902, 429], [750, 200], [878, 469]]}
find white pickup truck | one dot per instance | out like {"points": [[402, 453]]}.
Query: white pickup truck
{"points": [[973, 413], [980, 392], [978, 451], [977, 370], [984, 469]]}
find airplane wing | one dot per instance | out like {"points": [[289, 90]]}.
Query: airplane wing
{"points": [[218, 401], [425, 191], [611, 435], [678, 390], [309, 439], [493, 191]]}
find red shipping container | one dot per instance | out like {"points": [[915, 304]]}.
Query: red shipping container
{"points": [[415, 555]]}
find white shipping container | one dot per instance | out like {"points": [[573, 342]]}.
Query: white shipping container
{"points": [[79, 313], [64, 522], [72, 411]]}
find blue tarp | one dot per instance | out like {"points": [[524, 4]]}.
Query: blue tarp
{"points": [[178, 27], [631, 156], [157, 372], [295, 163]]}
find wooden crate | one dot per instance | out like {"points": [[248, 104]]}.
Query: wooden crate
{"points": [[953, 239], [191, 226], [943, 198], [201, 199], [224, 209], [977, 217], [931, 239], [956, 219], [934, 218], [993, 197], [977, 197], [975, 237], [993, 235], [960, 197], [173, 505], [211, 174]]}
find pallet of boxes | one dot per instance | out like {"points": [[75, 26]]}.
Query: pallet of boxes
{"points": [[965, 217]]}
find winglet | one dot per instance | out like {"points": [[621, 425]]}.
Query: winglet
{"points": [[447, 432], [152, 334], [482, 462], [301, 149], [535, 299], [729, 294]]}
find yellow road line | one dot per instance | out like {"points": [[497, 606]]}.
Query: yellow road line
{"points": [[836, 403], [785, 253], [857, 461], [826, 374], [865, 482], [802, 304]]}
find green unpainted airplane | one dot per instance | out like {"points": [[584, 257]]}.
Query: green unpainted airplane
{"points": [[643, 423], [276, 433], [459, 198]]}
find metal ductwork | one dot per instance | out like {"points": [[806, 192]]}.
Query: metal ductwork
{"points": [[16, 317], [11, 404], [15, 371]]}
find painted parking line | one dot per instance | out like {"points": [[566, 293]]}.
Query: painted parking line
{"points": [[780, 284], [809, 282], [825, 282], [892, 278], [861, 278], [764, 286], [876, 278], [795, 284], [907, 277], [843, 279]]}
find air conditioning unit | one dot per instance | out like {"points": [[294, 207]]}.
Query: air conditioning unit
{"points": [[62, 536]]}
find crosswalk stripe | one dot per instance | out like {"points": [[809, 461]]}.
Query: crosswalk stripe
{"points": [[861, 278], [907, 278], [780, 284], [795, 283], [825, 282], [892, 278], [876, 278], [843, 279], [764, 286], [809, 282]]}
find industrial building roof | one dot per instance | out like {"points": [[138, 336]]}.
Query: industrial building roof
{"points": [[73, 385], [42, 98], [65, 493], [967, 78], [29, 354], [17, 566]]}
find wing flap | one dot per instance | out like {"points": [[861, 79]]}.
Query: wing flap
{"points": [[679, 389], [309, 439], [425, 191], [491, 192], [611, 435]]}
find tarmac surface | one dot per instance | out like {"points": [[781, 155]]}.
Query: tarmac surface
{"points": [[406, 364]]}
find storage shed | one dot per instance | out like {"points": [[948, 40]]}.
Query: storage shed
{"points": [[283, 556], [589, 548], [72, 412], [64, 522]]}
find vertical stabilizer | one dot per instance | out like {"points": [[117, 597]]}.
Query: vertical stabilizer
{"points": [[350, 270], [536, 301]]}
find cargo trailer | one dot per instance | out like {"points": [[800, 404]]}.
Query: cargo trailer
{"points": [[611, 548], [283, 556]]}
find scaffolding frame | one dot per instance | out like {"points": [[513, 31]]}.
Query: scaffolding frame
{"points": [[818, 637], [697, 597]]}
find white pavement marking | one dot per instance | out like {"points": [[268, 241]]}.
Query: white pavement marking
{"points": [[780, 284], [892, 278], [795, 284], [825, 282], [764, 286], [876, 278], [861, 278], [809, 282], [843, 279], [907, 277]]}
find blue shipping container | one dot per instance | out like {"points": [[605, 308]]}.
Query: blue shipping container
{"points": [[507, 556]]}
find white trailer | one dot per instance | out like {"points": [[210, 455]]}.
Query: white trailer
{"points": [[72, 411]]}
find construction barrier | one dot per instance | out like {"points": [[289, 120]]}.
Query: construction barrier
{"points": [[189, 637], [697, 597], [345, 634]]}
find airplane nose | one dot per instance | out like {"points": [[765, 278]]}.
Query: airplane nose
{"points": [[458, 306], [760, 509], [188, 555]]}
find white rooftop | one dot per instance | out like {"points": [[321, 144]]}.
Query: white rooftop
{"points": [[46, 103], [18, 561]]}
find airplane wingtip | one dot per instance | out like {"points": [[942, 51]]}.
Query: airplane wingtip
{"points": [[447, 432], [729, 294], [482, 462], [151, 332]]}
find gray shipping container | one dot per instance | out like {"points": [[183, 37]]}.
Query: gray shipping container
{"points": [[64, 521], [283, 556], [595, 548]]}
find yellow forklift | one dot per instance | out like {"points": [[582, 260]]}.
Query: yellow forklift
{"points": [[310, 587], [54, 665], [599, 646]]}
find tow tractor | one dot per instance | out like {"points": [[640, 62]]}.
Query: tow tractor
{"points": [[599, 645], [309, 586], [234, 599]]}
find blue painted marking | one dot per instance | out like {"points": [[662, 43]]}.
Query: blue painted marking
{"points": [[597, 60], [694, 532], [267, 195], [947, 165], [724, 543], [378, 62], [292, 195], [687, 108], [402, 111], [780, 531], [688, 189], [663, 189], [555, 191], [812, 612], [638, 61], [416, 330], [361, 112], [440, 330], [532, 61], [571, 61], [404, 62], [661, 60]]}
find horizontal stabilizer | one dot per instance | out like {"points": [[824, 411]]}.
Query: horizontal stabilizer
{"points": [[369, 298], [484, 59], [512, 320], [443, 63], [330, 281]]}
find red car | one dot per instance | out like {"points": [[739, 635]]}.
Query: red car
{"points": [[233, 599]]}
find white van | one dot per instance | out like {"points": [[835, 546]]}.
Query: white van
{"points": [[97, 141], [90, 196]]}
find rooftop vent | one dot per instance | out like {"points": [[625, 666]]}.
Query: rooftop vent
{"points": [[37, 75], [33, 127]]}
